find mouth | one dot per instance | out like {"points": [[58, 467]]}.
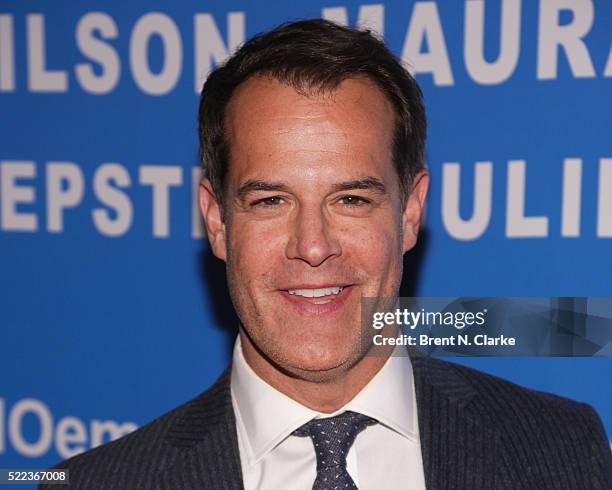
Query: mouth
{"points": [[317, 301], [318, 296]]}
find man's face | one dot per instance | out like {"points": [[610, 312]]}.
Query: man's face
{"points": [[313, 221]]}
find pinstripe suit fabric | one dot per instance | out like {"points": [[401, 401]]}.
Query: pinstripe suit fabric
{"points": [[477, 432]]}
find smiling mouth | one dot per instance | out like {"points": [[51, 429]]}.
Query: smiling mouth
{"points": [[317, 296], [328, 301]]}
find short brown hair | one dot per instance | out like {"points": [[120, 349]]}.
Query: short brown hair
{"points": [[314, 55]]}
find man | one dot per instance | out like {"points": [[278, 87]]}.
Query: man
{"points": [[312, 140]]}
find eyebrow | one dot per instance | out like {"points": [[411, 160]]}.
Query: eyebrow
{"points": [[259, 185], [367, 183]]}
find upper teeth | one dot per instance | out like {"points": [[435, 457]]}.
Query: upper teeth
{"points": [[316, 293]]}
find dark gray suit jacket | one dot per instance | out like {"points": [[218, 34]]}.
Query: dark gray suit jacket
{"points": [[477, 432]]}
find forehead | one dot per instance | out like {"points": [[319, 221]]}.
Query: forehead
{"points": [[262, 107], [269, 121], [263, 96]]}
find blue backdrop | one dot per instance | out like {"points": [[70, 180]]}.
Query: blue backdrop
{"points": [[113, 310]]}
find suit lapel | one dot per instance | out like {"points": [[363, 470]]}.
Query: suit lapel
{"points": [[206, 438], [458, 441]]}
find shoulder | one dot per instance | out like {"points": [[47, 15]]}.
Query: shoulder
{"points": [[146, 451], [529, 425], [501, 400], [506, 400]]}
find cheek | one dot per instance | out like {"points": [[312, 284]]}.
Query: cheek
{"points": [[253, 251], [375, 245]]}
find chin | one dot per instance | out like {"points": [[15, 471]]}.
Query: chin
{"points": [[314, 362]]}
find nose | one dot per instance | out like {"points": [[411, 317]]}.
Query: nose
{"points": [[313, 239]]}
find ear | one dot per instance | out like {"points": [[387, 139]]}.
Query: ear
{"points": [[213, 220], [414, 208]]}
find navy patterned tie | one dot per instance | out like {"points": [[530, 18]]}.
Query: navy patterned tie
{"points": [[332, 438]]}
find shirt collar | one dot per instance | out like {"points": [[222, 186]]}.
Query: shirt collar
{"points": [[265, 416], [389, 397]]}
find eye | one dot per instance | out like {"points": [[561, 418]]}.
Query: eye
{"points": [[354, 201], [268, 201]]}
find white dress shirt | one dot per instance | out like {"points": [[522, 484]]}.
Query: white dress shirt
{"points": [[386, 455]]}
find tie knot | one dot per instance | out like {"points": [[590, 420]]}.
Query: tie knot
{"points": [[333, 436]]}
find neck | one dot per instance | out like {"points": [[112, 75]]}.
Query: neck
{"points": [[324, 393]]}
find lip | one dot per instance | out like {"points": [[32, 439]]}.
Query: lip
{"points": [[305, 306], [314, 286]]}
